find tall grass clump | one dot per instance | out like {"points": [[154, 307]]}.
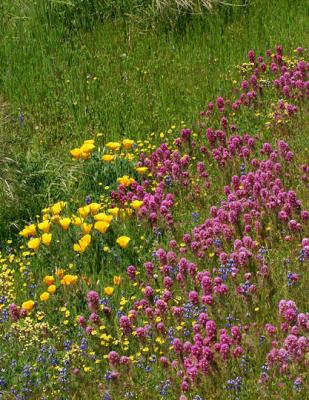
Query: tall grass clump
{"points": [[167, 14]]}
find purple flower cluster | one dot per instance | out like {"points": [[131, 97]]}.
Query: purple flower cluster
{"points": [[294, 346], [228, 259], [156, 206]]}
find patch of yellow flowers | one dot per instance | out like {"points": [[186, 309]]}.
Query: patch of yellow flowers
{"points": [[40, 233], [84, 150], [88, 217]]}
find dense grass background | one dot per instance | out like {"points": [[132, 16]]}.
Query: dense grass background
{"points": [[68, 72]]}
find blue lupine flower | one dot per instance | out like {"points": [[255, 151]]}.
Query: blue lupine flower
{"points": [[84, 344], [195, 216], [3, 382], [298, 383], [21, 117], [242, 169], [107, 396], [168, 180], [235, 384], [67, 345], [88, 200], [26, 371], [108, 375]]}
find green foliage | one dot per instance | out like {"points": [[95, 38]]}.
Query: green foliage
{"points": [[120, 77]]}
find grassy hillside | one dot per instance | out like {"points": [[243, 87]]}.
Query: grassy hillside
{"points": [[59, 84], [154, 200]]}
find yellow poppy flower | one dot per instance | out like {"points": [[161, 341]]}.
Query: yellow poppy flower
{"points": [[52, 289], [65, 223], [87, 147], [114, 211], [29, 230], [44, 296], [77, 221], [123, 241], [108, 157], [136, 204], [44, 226], [84, 211], [117, 280], [82, 244], [94, 208], [28, 305], [55, 219], [125, 180], [127, 143], [34, 243], [86, 239], [85, 156], [103, 217], [46, 238], [45, 217], [48, 280], [109, 290], [101, 226], [69, 280], [113, 145], [86, 228], [59, 272], [76, 153], [57, 207], [141, 170]]}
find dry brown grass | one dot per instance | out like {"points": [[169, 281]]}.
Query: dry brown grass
{"points": [[4, 115], [179, 6]]}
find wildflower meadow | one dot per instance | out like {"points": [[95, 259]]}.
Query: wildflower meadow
{"points": [[174, 264]]}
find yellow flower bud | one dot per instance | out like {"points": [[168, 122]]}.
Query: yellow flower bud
{"points": [[123, 241], [44, 296]]}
